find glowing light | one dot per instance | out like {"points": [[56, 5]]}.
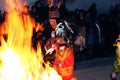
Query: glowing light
{"points": [[18, 61]]}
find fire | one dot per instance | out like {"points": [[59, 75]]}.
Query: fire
{"points": [[18, 61]]}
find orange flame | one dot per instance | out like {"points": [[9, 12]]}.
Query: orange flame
{"points": [[18, 61]]}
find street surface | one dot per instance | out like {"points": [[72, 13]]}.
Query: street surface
{"points": [[97, 69]]}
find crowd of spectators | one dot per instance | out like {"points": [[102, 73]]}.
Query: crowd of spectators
{"points": [[97, 30]]}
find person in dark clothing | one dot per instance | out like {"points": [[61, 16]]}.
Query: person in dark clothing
{"points": [[42, 12], [63, 10], [1, 18], [93, 11], [33, 12]]}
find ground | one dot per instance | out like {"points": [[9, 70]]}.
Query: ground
{"points": [[97, 69]]}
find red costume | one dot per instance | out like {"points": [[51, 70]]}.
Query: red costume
{"points": [[64, 62]]}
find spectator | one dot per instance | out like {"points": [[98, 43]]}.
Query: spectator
{"points": [[1, 17], [90, 43], [42, 12], [63, 10], [93, 11], [33, 12]]}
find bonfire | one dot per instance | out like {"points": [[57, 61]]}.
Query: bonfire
{"points": [[18, 60]]}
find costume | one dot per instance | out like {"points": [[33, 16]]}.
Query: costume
{"points": [[64, 61], [116, 66], [64, 55], [50, 42]]}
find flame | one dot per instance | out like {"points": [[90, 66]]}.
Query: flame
{"points": [[18, 61]]}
